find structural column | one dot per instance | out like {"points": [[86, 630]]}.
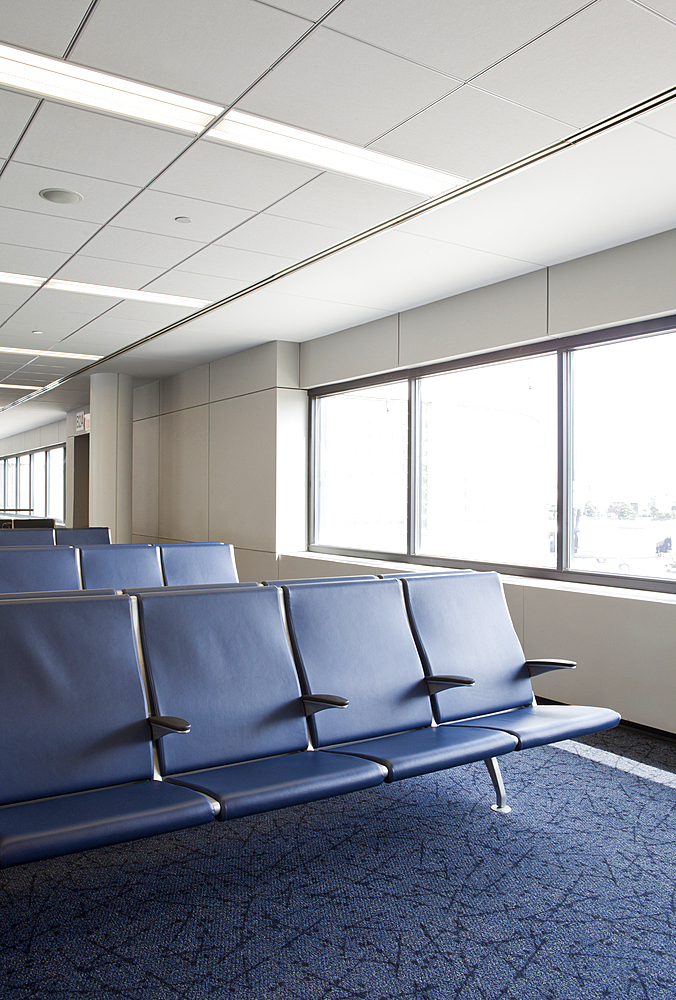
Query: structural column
{"points": [[110, 459]]}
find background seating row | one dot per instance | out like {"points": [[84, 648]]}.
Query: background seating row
{"points": [[54, 536], [360, 667]]}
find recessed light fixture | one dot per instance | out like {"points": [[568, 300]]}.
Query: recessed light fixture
{"points": [[7, 278], [183, 219], [76, 85], [240, 129], [8, 385], [136, 295], [33, 353], [38, 333], [61, 196]]}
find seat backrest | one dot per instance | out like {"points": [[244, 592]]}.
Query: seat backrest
{"points": [[23, 570], [198, 562], [25, 537], [189, 588], [408, 576], [47, 594], [353, 640], [73, 713], [222, 660], [317, 579], [462, 626], [120, 566], [83, 536]]}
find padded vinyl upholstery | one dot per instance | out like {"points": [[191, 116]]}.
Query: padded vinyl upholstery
{"points": [[120, 566], [83, 536], [316, 579], [27, 536], [198, 562], [462, 626], [353, 640], [41, 595], [540, 724], [23, 570]]}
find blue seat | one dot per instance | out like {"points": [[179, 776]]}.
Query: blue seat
{"points": [[462, 626], [120, 566], [83, 536], [317, 579], [198, 562], [189, 588], [353, 640], [221, 660], [76, 741], [23, 570], [49, 594], [25, 537]]}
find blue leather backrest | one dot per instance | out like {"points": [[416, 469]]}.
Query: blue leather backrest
{"points": [[73, 709], [316, 579], [189, 588], [221, 660], [462, 626], [29, 569], [26, 537], [37, 595], [83, 536], [120, 566], [353, 640], [198, 562]]}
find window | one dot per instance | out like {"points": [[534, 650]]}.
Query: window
{"points": [[34, 484], [554, 462]]}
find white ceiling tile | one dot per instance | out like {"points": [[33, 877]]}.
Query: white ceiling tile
{"points": [[54, 325], [46, 26], [344, 202], [585, 199], [27, 260], [199, 286], [341, 87], [13, 296], [217, 173], [48, 301], [21, 183], [206, 49], [610, 56], [663, 120], [116, 150], [129, 329], [285, 237], [140, 248], [156, 212], [44, 232], [15, 110], [6, 310], [460, 38], [471, 133], [225, 262], [150, 312], [311, 9], [665, 7], [99, 271]]}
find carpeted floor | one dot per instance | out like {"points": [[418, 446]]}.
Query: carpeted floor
{"points": [[412, 890]]}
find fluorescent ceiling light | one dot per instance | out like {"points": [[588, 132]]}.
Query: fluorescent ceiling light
{"points": [[241, 129], [33, 353], [6, 278], [66, 82], [8, 385], [56, 284]]}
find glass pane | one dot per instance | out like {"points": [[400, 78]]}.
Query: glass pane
{"points": [[624, 440], [24, 498], [56, 500], [488, 463], [40, 484], [10, 485], [361, 475]]}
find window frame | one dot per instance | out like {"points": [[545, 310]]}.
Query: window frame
{"points": [[563, 348], [14, 511]]}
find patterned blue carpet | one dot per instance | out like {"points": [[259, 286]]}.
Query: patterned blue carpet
{"points": [[411, 890]]}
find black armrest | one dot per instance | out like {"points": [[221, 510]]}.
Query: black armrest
{"points": [[318, 702], [442, 682], [162, 725], [536, 667]]}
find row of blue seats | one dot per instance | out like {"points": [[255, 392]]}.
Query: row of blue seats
{"points": [[260, 698], [25, 537], [95, 567]]}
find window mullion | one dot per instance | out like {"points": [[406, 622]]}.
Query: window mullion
{"points": [[565, 528], [413, 467]]}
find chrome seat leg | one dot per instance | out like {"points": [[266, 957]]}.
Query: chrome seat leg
{"points": [[496, 777]]}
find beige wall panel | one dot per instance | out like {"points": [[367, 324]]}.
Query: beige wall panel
{"points": [[144, 539], [509, 312], [291, 493], [145, 478], [242, 464], [362, 350], [147, 401], [184, 475], [254, 566], [298, 566], [245, 372], [630, 282], [625, 649], [186, 389], [514, 598], [288, 364], [31, 439]]}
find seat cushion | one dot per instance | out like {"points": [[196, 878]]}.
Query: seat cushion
{"points": [[259, 785], [538, 724], [432, 749], [50, 827]]}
